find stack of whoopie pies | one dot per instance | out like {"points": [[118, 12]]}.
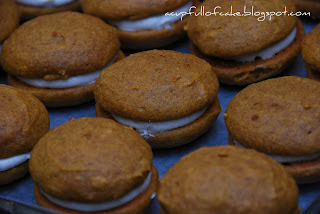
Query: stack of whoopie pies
{"points": [[169, 97], [24, 120], [93, 165], [158, 99], [226, 179], [281, 118], [58, 57], [244, 49], [142, 24]]}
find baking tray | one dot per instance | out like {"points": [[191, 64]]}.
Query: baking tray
{"points": [[22, 190]]}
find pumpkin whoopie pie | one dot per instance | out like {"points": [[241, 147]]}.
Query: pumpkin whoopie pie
{"points": [[311, 53], [93, 165], [142, 24], [24, 120], [169, 97], [58, 57], [312, 6], [33, 8], [9, 19], [227, 179], [245, 49], [281, 118]]}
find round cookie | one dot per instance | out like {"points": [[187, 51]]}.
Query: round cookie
{"points": [[310, 50], [142, 24], [169, 97], [242, 49], [227, 179], [312, 6], [58, 57], [9, 18], [280, 117], [33, 8], [24, 120], [93, 165]]}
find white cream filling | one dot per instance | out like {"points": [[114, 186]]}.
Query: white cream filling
{"points": [[285, 158], [147, 128], [14, 161], [95, 207], [269, 51], [45, 3], [80, 80], [153, 22]]}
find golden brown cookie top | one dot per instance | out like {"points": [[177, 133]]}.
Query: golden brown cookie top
{"points": [[311, 48], [227, 179], [24, 120], [9, 18], [227, 36], [277, 116], [129, 9], [156, 85], [90, 160], [63, 44]]}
